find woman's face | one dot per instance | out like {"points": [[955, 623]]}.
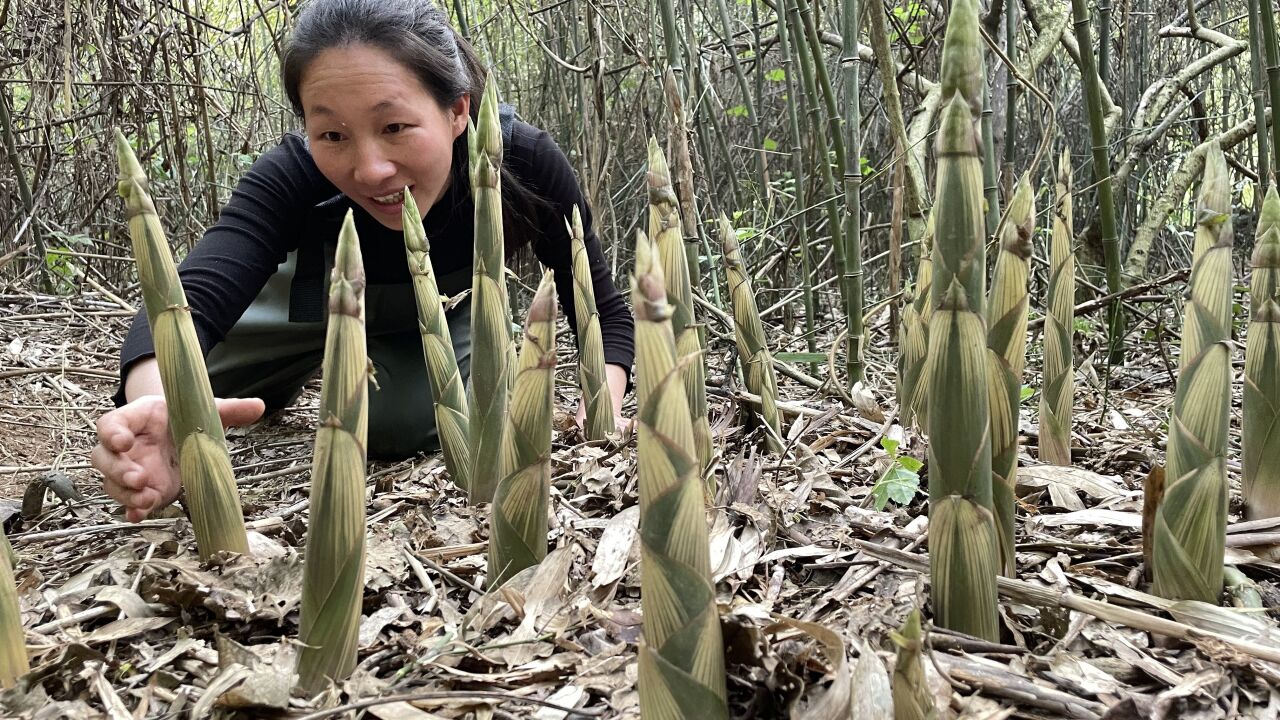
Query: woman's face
{"points": [[375, 129]]}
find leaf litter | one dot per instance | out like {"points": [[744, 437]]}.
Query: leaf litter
{"points": [[814, 570]]}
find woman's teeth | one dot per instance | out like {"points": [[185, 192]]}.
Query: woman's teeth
{"points": [[391, 199]]}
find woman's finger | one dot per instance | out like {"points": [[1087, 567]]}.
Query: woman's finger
{"points": [[142, 499], [114, 432], [116, 468], [240, 411]]}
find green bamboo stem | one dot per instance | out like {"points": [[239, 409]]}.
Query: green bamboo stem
{"points": [[194, 424], [1102, 177], [1260, 431], [846, 226], [682, 654], [448, 391], [748, 101], [333, 575], [1058, 393], [990, 171], [1189, 529], [1271, 52], [798, 175], [963, 551], [518, 519], [492, 348], [1006, 357], [1257, 76]]}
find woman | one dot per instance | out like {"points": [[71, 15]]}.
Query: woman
{"points": [[384, 89]]}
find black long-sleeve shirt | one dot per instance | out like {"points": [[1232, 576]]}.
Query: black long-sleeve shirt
{"points": [[284, 203]]}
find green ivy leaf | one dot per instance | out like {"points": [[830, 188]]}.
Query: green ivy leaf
{"points": [[770, 144], [898, 485], [776, 75], [737, 111], [890, 445]]}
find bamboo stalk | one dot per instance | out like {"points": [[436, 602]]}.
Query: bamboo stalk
{"points": [[333, 575], [753, 347], [518, 519], [1260, 431], [194, 424], [591, 372], [1189, 530], [665, 231], [748, 102], [1258, 78], [491, 345], [1101, 177], [911, 697], [1058, 393], [1271, 52], [796, 154], [682, 654], [964, 555], [448, 391], [845, 222], [13, 648], [1006, 357]]}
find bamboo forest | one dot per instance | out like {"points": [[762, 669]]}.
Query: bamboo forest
{"points": [[660, 359]]}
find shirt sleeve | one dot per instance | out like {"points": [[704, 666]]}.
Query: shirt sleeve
{"points": [[550, 175], [228, 267]]}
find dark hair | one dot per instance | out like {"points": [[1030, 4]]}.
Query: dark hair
{"points": [[418, 35]]}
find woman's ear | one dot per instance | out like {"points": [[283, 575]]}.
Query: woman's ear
{"points": [[461, 111]]}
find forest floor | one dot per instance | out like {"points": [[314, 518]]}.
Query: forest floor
{"points": [[123, 621]]}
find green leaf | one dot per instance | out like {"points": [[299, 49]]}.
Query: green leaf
{"points": [[898, 485], [770, 144], [776, 75], [909, 463], [890, 445], [1027, 391], [737, 111]]}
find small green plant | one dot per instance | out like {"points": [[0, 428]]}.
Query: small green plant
{"points": [[909, 19], [901, 481]]}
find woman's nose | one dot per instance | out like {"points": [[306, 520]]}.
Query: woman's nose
{"points": [[373, 167]]}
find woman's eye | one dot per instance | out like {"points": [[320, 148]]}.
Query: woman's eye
{"points": [[331, 136], [394, 128]]}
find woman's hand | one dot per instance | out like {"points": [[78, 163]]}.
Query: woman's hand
{"points": [[621, 424], [615, 377], [135, 453]]}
